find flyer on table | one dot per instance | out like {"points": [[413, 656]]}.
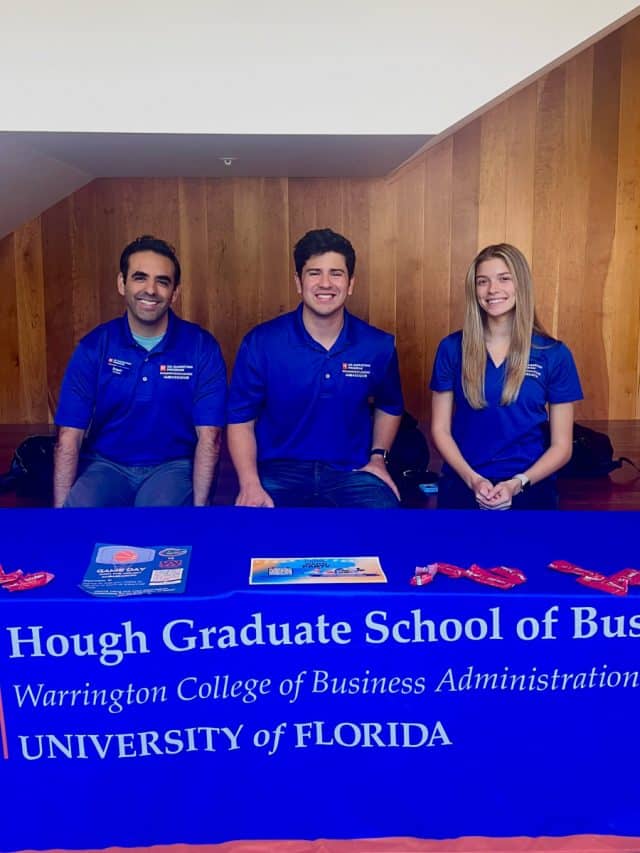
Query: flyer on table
{"points": [[119, 570], [283, 570]]}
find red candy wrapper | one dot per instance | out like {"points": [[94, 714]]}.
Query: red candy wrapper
{"points": [[451, 571], [11, 577], [424, 575], [484, 576], [631, 576], [30, 581], [421, 580], [619, 587], [431, 569], [572, 569], [516, 576]]}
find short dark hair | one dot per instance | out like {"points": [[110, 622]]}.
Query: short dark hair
{"points": [[149, 243], [319, 242]]}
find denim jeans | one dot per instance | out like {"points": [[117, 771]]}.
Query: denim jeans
{"points": [[103, 483], [292, 482]]}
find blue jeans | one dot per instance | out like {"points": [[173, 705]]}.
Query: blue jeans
{"points": [[291, 482], [453, 493], [103, 483]]}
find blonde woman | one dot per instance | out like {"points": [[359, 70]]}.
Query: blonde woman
{"points": [[500, 387]]}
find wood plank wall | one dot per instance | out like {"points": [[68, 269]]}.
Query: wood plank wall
{"points": [[554, 169]]}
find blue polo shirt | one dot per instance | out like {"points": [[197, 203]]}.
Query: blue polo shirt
{"points": [[309, 403], [500, 441], [142, 407]]}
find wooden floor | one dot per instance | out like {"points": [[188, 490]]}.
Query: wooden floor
{"points": [[619, 491]]}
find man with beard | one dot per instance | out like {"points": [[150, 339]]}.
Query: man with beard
{"points": [[143, 399]]}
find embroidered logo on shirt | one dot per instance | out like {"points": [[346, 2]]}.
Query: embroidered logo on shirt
{"points": [[176, 371], [357, 369], [119, 366], [534, 370]]}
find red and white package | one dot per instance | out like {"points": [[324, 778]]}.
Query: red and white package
{"points": [[516, 576], [488, 578], [9, 577], [572, 569], [31, 581], [614, 587], [631, 576], [451, 571], [421, 580]]}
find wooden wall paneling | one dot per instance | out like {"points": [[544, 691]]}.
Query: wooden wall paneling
{"points": [[114, 212], [437, 251], [31, 323], [521, 146], [303, 216], [575, 326], [623, 300], [356, 225], [247, 252], [328, 200], [59, 292], [86, 283], [409, 286], [163, 211], [464, 218], [275, 274], [195, 296], [382, 267], [601, 217], [222, 285], [302, 208], [548, 194], [10, 402], [492, 202]]}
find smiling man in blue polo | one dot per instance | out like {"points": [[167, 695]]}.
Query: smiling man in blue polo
{"points": [[143, 399], [301, 430]]}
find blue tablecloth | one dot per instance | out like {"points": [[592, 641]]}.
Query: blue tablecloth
{"points": [[326, 711]]}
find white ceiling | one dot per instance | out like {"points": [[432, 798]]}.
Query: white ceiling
{"points": [[38, 169], [343, 88]]}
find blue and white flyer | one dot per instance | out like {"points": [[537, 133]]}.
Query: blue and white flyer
{"points": [[285, 570], [120, 570]]}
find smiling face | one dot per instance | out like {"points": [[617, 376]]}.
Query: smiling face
{"points": [[495, 288], [324, 284], [149, 290]]}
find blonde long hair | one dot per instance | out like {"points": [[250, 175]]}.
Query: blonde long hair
{"points": [[525, 322]]}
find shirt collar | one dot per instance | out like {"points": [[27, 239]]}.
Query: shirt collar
{"points": [[302, 338], [129, 340]]}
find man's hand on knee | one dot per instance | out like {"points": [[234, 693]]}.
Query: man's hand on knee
{"points": [[378, 468], [254, 495]]}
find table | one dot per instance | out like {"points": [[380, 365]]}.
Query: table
{"points": [[354, 711]]}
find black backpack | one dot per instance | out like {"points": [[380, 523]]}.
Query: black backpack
{"points": [[408, 461], [30, 474], [592, 455]]}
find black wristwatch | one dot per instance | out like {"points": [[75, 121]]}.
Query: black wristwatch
{"points": [[380, 451]]}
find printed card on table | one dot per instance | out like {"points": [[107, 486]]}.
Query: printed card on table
{"points": [[119, 570], [285, 570]]}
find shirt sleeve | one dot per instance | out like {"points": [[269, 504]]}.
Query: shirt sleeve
{"points": [[210, 400], [564, 382], [247, 392], [445, 367], [388, 397], [77, 395]]}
